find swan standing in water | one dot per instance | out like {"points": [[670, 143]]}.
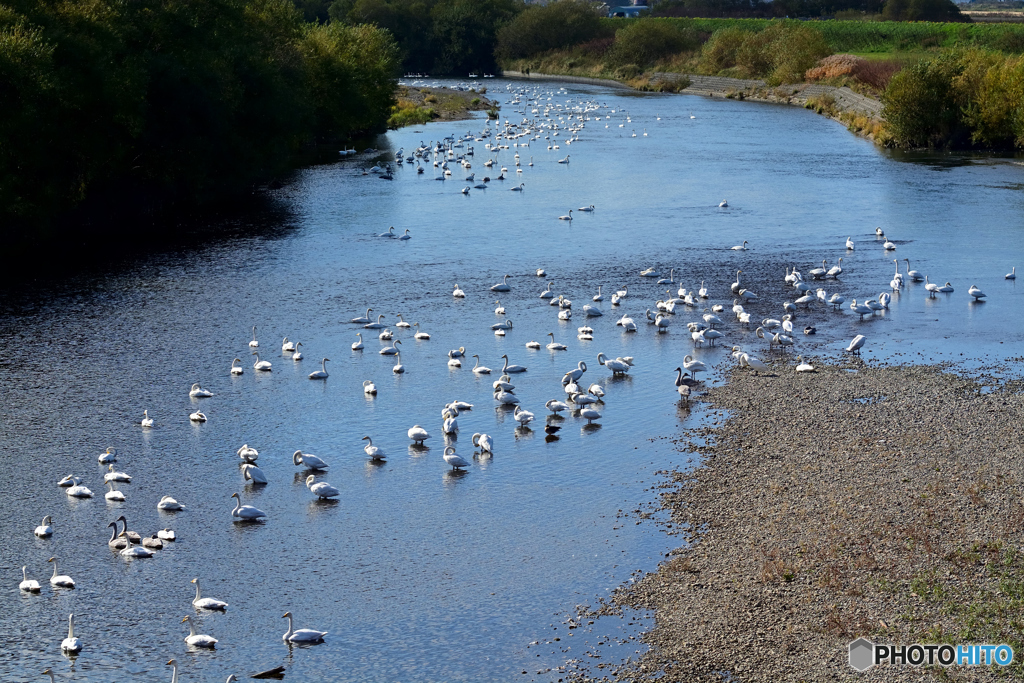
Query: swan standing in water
{"points": [[260, 365], [44, 530], [236, 369], [254, 343], [617, 367], [110, 455], [374, 452], [589, 414], [199, 602], [976, 293], [930, 287], [198, 639], [484, 442], [456, 461], [322, 372], [303, 635], [245, 512], [856, 344], [28, 585], [523, 417], [254, 474], [693, 366], [321, 490], [311, 462], [418, 435], [71, 644]]}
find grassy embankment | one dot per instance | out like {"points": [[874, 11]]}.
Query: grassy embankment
{"points": [[965, 74], [414, 106]]}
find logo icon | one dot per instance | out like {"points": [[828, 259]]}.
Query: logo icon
{"points": [[862, 654]]}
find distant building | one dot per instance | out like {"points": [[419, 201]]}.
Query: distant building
{"points": [[626, 10]]}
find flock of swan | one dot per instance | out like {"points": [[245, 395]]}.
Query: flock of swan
{"points": [[580, 396]]}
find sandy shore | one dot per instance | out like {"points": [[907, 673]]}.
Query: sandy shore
{"points": [[854, 501]]}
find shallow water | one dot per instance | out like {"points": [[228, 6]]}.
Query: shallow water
{"points": [[417, 572]]}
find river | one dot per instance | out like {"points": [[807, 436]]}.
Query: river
{"points": [[418, 572]]}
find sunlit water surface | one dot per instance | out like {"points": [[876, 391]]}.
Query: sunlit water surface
{"points": [[419, 573]]}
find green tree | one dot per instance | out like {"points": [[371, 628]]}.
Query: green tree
{"points": [[540, 28], [465, 33]]}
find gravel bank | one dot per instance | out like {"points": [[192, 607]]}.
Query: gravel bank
{"points": [[883, 502]]}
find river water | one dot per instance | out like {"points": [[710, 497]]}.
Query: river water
{"points": [[420, 573]]}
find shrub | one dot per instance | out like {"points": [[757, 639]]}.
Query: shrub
{"points": [[834, 66], [645, 41], [794, 49], [920, 104], [877, 74], [719, 53]]}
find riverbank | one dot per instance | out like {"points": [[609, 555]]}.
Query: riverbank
{"points": [[855, 501], [859, 113]]}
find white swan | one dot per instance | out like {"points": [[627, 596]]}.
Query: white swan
{"points": [[457, 353], [374, 452], [507, 325], [566, 217], [533, 344], [505, 398], [849, 243], [523, 417], [398, 369], [247, 453], [555, 346], [198, 392], [287, 346], [541, 272], [363, 319], [111, 475], [198, 639], [297, 355], [254, 343], [931, 287], [110, 455], [389, 233], [693, 366], [28, 585], [198, 416], [592, 311], [976, 293], [599, 296], [168, 503], [113, 495], [199, 602], [321, 490], [261, 365], [322, 372], [458, 293], [406, 235], [548, 293], [251, 473], [401, 323], [71, 644], [377, 325], [311, 462], [456, 461], [1012, 275], [740, 247], [78, 491], [169, 535], [889, 245], [502, 286], [480, 369], [390, 350], [512, 368], [484, 442], [369, 387], [44, 530], [617, 367], [556, 406], [856, 344], [418, 435], [589, 414], [835, 271], [586, 208], [135, 550], [303, 635], [861, 309], [803, 366], [245, 512], [500, 310], [235, 369], [423, 336]]}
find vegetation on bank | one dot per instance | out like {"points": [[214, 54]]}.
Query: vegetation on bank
{"points": [[415, 106], [950, 85], [120, 107]]}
